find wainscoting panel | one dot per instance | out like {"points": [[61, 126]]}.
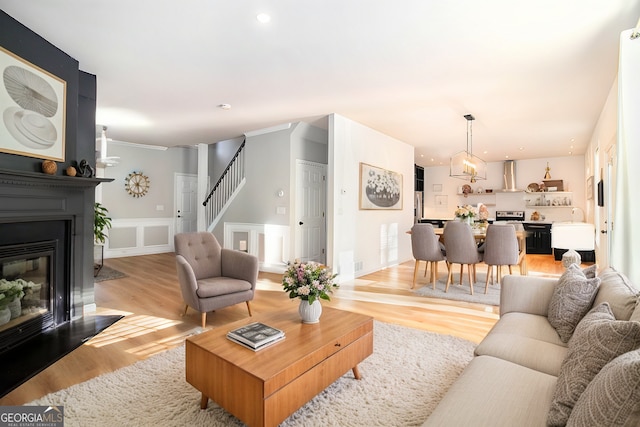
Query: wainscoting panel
{"points": [[139, 236], [270, 243]]}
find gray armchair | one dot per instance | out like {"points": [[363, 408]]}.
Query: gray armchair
{"points": [[212, 277]]}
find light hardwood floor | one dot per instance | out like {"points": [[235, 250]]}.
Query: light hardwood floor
{"points": [[150, 299]]}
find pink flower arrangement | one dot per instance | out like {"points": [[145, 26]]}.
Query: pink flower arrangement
{"points": [[309, 281]]}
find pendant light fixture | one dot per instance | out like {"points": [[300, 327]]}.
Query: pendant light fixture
{"points": [[103, 160], [464, 165]]}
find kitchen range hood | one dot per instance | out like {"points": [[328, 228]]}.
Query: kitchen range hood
{"points": [[510, 176]]}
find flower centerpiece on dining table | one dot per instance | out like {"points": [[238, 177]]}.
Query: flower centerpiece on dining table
{"points": [[310, 281], [465, 213]]}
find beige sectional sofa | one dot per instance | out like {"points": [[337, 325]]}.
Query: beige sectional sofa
{"points": [[523, 367]]}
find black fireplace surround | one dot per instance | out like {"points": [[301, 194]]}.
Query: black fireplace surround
{"points": [[48, 217]]}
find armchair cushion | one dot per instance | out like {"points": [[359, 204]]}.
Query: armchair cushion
{"points": [[216, 286]]}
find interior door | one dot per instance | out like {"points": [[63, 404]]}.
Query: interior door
{"points": [[311, 193], [607, 225], [186, 187]]}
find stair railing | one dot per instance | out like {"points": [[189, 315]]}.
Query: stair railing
{"points": [[224, 188]]}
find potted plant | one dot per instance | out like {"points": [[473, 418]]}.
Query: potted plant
{"points": [[101, 222]]}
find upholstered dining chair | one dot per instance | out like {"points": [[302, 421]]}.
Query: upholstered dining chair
{"points": [[426, 247], [522, 248], [500, 248], [460, 245], [212, 277]]}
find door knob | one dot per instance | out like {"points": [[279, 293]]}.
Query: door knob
{"points": [[603, 231], [300, 223]]}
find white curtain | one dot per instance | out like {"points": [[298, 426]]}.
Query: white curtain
{"points": [[626, 217]]}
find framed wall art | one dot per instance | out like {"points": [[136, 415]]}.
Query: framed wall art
{"points": [[33, 108], [380, 188], [590, 188]]}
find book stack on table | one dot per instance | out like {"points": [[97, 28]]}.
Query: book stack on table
{"points": [[256, 336]]}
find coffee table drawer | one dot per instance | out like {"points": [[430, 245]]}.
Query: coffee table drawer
{"points": [[285, 401]]}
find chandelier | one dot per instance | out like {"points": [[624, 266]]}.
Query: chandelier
{"points": [[464, 165]]}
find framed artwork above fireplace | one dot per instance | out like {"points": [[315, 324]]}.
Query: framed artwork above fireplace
{"points": [[32, 109]]}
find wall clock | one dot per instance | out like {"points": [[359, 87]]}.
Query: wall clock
{"points": [[137, 184]]}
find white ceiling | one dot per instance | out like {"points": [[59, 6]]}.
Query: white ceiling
{"points": [[534, 74]]}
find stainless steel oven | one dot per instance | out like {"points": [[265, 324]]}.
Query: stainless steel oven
{"points": [[509, 215]]}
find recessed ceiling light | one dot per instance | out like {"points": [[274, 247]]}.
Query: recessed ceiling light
{"points": [[521, 148], [263, 17], [225, 106]]}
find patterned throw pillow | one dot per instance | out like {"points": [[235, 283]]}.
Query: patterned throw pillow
{"points": [[572, 298], [598, 339], [613, 397]]}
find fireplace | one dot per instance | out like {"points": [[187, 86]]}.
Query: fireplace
{"points": [[34, 291], [46, 258]]}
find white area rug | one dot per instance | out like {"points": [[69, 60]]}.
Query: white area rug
{"points": [[402, 382]]}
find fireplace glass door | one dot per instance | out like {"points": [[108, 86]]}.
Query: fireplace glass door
{"points": [[25, 289]]}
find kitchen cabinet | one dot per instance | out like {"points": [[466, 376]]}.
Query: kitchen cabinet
{"points": [[550, 199], [538, 238]]}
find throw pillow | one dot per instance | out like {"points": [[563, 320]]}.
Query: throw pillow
{"points": [[613, 397], [598, 339], [572, 298]]}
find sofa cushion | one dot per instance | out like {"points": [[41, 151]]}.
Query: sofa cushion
{"points": [[613, 397], [598, 339], [492, 392], [572, 298], [526, 339], [618, 291]]}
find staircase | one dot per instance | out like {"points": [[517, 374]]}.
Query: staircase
{"points": [[225, 189]]}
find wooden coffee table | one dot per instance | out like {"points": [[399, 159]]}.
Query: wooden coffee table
{"points": [[263, 388]]}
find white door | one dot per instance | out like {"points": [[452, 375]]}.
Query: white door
{"points": [[310, 227], [186, 203], [610, 185]]}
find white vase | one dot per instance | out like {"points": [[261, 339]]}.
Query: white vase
{"points": [[15, 307], [466, 219], [310, 313], [5, 315]]}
